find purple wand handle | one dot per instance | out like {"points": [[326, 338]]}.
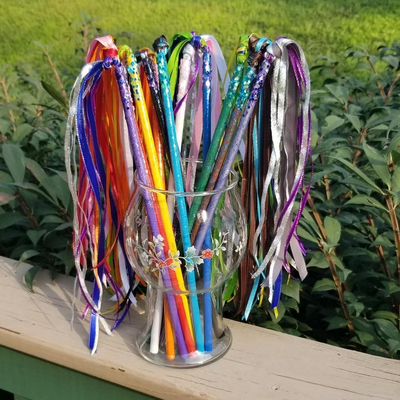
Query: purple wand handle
{"points": [[143, 173], [230, 158]]}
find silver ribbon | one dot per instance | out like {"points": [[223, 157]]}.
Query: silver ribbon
{"points": [[275, 256], [70, 156]]}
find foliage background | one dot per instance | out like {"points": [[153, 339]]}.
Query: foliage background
{"points": [[322, 27], [351, 296]]}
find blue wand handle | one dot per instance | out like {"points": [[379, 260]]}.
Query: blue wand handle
{"points": [[161, 47], [208, 326]]}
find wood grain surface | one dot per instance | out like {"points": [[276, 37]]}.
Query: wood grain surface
{"points": [[262, 364]]}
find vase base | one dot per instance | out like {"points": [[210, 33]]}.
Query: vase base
{"points": [[196, 359]]}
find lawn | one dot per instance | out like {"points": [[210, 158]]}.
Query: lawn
{"points": [[321, 27]]}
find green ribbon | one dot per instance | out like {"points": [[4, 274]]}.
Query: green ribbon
{"points": [[178, 42]]}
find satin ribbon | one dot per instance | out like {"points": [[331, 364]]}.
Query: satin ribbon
{"points": [[224, 148], [225, 170], [219, 70], [161, 47], [228, 105], [137, 149], [284, 228]]}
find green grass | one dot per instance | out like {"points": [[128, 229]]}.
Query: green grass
{"points": [[321, 27]]}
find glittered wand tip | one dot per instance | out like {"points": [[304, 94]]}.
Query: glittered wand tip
{"points": [[161, 44]]}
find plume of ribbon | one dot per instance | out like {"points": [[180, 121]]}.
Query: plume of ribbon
{"points": [[290, 134], [102, 188], [142, 113]]}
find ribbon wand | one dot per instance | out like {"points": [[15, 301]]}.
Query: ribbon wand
{"points": [[143, 57], [223, 176], [208, 322], [148, 200], [188, 54], [229, 134], [161, 47], [147, 133], [226, 111], [159, 184]]}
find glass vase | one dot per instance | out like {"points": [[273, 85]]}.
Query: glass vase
{"points": [[185, 285]]}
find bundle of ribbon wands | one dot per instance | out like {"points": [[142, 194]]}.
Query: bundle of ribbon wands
{"points": [[140, 115]]}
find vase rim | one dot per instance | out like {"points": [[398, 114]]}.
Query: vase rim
{"points": [[232, 181]]}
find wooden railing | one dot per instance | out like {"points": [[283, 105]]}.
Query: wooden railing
{"points": [[41, 357]]}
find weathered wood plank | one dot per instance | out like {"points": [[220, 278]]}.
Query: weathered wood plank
{"points": [[261, 364]]}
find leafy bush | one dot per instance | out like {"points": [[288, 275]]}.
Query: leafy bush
{"points": [[36, 209], [351, 296]]}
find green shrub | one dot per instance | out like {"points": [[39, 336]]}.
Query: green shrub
{"points": [[35, 203], [351, 295]]}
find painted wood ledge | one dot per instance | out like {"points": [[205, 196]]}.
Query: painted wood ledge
{"points": [[262, 364]]}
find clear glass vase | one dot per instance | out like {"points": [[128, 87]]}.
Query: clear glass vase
{"points": [[184, 325]]}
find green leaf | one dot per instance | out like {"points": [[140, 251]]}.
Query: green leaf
{"points": [[394, 122], [378, 162], [386, 315], [69, 261], [35, 235], [61, 188], [271, 325], [42, 177], [336, 322], [396, 180], [340, 92], [382, 241], [5, 198], [338, 262], [390, 288], [395, 143], [391, 60], [33, 187], [395, 157], [318, 260], [331, 123], [305, 235], [365, 338], [290, 303], [376, 350], [5, 177], [355, 121], [21, 132], [292, 331], [30, 276], [333, 230], [61, 174], [366, 201], [15, 161], [51, 219], [361, 174], [55, 94], [11, 218], [311, 222], [388, 328], [394, 346], [323, 285], [281, 313], [292, 290], [230, 287], [328, 145], [358, 308], [357, 252], [28, 254], [343, 274]]}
